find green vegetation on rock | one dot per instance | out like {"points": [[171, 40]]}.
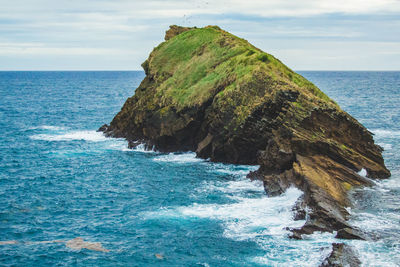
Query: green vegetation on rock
{"points": [[193, 66]]}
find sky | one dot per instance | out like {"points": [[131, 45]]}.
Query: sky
{"points": [[120, 34]]}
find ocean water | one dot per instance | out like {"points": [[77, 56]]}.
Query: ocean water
{"points": [[60, 180]]}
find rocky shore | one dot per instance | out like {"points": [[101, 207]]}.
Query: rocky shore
{"points": [[211, 92]]}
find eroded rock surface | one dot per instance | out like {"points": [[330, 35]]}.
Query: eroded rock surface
{"points": [[78, 244], [211, 92]]}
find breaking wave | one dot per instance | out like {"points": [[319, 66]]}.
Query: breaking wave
{"points": [[91, 136]]}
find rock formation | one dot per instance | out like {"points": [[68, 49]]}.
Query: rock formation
{"points": [[341, 255], [211, 92]]}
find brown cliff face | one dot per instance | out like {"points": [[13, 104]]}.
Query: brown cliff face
{"points": [[321, 157], [174, 30], [208, 91]]}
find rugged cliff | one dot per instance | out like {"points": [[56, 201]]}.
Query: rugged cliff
{"points": [[209, 91]]}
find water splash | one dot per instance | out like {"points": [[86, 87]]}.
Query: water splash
{"points": [[189, 157]]}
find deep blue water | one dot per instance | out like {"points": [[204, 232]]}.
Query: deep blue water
{"points": [[60, 179]]}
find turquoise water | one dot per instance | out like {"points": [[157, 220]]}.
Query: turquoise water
{"points": [[60, 179]]}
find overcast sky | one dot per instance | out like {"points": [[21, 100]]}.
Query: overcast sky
{"points": [[119, 34]]}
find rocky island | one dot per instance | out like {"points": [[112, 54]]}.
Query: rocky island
{"points": [[211, 92]]}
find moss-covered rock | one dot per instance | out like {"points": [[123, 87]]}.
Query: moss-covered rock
{"points": [[209, 91]]}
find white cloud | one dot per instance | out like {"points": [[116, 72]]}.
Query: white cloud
{"points": [[22, 49], [175, 8], [269, 8], [108, 30], [337, 55]]}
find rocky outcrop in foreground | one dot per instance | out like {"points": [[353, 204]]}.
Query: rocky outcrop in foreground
{"points": [[211, 92], [341, 255]]}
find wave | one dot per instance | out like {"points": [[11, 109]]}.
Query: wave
{"points": [[377, 252], [120, 145], [254, 217], [382, 133], [142, 148], [242, 185], [91, 136], [188, 157], [262, 215], [57, 134], [308, 252], [386, 146], [49, 127], [231, 169]]}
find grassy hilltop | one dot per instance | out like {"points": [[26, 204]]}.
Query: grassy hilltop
{"points": [[192, 65]]}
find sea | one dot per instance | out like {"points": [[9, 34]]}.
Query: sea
{"points": [[69, 196]]}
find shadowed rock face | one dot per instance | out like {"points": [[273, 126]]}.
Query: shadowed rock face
{"points": [[175, 30], [209, 91]]}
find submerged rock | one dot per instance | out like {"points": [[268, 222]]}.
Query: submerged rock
{"points": [[211, 92], [9, 242], [159, 256], [78, 244]]}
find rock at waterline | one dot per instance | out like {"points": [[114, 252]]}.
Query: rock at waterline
{"points": [[341, 255], [211, 92]]}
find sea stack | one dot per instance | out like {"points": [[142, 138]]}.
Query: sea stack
{"points": [[211, 92]]}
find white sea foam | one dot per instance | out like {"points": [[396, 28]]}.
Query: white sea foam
{"points": [[91, 136], [232, 169], [242, 185], [372, 222], [392, 183], [246, 218], [376, 253], [385, 225], [348, 209], [239, 185], [363, 172], [380, 219], [381, 133], [262, 220], [189, 157], [142, 148], [119, 144], [55, 133], [49, 127], [309, 252], [386, 146]]}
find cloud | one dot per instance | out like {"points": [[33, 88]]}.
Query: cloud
{"points": [[175, 8], [22, 49], [84, 29]]}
